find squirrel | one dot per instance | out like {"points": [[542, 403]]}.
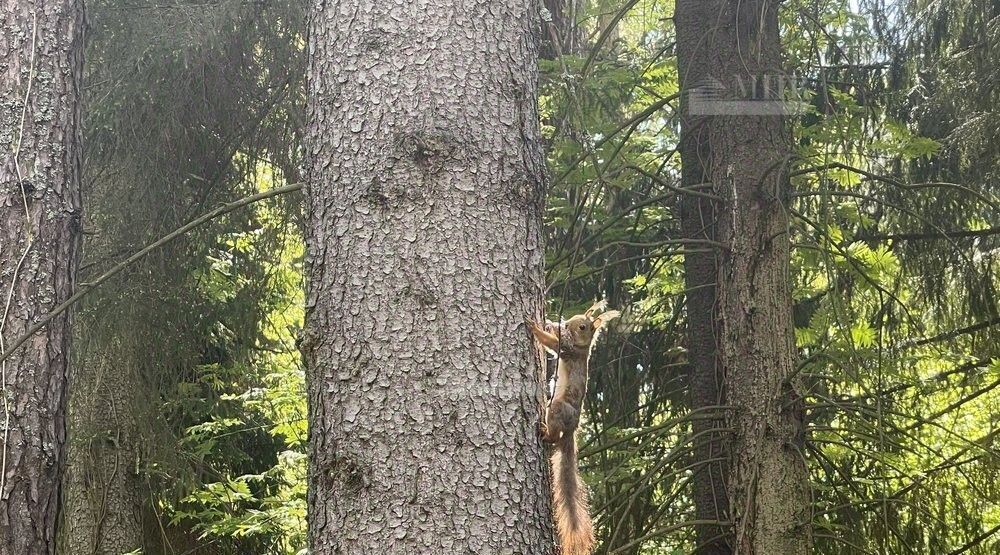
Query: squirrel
{"points": [[571, 341]]}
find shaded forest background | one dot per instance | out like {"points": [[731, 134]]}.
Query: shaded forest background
{"points": [[187, 420]]}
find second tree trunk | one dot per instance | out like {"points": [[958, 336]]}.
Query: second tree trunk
{"points": [[729, 45]]}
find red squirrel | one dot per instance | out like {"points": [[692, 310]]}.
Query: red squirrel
{"points": [[571, 341]]}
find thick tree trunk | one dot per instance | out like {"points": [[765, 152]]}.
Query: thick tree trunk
{"points": [[425, 190], [745, 159], [102, 500], [40, 72]]}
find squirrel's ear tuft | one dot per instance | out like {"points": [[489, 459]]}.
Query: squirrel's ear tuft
{"points": [[605, 318], [597, 307]]}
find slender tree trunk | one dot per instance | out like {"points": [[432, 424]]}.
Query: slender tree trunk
{"points": [[732, 42], [698, 221], [706, 382], [561, 34], [102, 499], [40, 72], [425, 190]]}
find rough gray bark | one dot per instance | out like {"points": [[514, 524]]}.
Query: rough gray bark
{"points": [[744, 158], [40, 72], [424, 197], [102, 501]]}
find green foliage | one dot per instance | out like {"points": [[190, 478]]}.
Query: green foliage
{"points": [[266, 508], [189, 105]]}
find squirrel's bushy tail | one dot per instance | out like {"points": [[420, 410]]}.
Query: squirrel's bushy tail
{"points": [[576, 532]]}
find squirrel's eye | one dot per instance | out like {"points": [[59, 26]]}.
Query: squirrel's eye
{"points": [[583, 327]]}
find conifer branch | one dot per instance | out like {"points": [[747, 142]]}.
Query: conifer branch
{"points": [[83, 289]]}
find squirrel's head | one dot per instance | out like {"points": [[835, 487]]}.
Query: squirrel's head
{"points": [[580, 331]]}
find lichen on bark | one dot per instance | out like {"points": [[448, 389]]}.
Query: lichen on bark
{"points": [[40, 74]]}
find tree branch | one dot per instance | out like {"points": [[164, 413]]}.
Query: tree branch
{"points": [[84, 288]]}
